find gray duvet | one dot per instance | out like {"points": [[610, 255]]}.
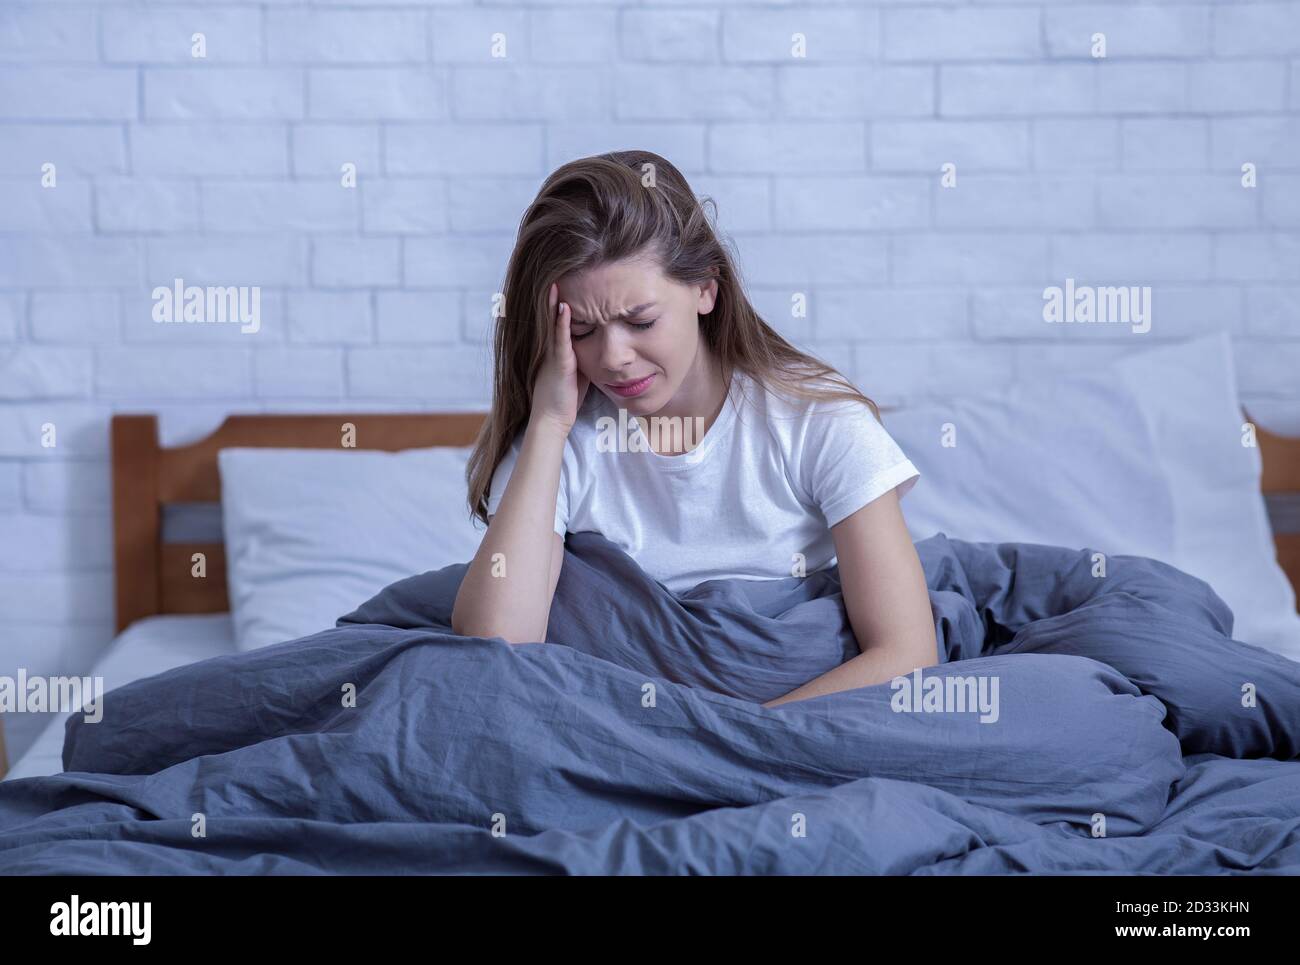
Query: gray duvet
{"points": [[1075, 724]]}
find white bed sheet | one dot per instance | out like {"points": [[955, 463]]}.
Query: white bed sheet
{"points": [[147, 647]]}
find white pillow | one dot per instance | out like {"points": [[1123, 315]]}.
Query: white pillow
{"points": [[1140, 456], [313, 533]]}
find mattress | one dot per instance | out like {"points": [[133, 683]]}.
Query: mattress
{"points": [[147, 647]]}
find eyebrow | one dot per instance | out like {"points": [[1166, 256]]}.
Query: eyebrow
{"points": [[629, 313]]}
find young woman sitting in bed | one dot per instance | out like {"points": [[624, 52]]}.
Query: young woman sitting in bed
{"points": [[617, 280]]}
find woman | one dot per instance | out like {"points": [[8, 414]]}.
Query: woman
{"points": [[618, 281]]}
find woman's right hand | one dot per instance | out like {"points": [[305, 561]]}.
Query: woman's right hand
{"points": [[560, 387]]}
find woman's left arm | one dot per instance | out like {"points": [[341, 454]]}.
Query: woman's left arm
{"points": [[886, 599]]}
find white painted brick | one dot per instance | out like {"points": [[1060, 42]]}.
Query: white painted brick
{"points": [[664, 93], [505, 92], [248, 260], [67, 487], [12, 307], [875, 314], [223, 93], [172, 372], [1013, 313], [33, 33], [279, 206], [1001, 201], [55, 598], [851, 203], [775, 306], [683, 144], [1273, 312], [79, 429], [267, 326], [1280, 203], [1131, 257], [795, 148], [1134, 88], [1174, 201], [72, 148], [1266, 142], [431, 316], [481, 149], [441, 262], [813, 259], [27, 206], [137, 206], [321, 150], [332, 317], [404, 206], [205, 150], [828, 35], [67, 93], [1267, 366], [1138, 31], [11, 485], [39, 544], [742, 203], [452, 374], [477, 323], [1236, 86], [1187, 310], [378, 94], [68, 261], [356, 262], [487, 204], [1015, 89], [303, 36], [575, 35], [971, 145], [1176, 312], [674, 36], [968, 258], [42, 372], [914, 370], [467, 36], [1256, 28], [1076, 144], [298, 373], [75, 316], [813, 92], [143, 35], [1270, 257], [1165, 144], [1007, 33]]}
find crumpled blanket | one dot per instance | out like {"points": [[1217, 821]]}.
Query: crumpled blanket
{"points": [[1075, 723]]}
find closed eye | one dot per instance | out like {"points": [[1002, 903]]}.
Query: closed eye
{"points": [[639, 326]]}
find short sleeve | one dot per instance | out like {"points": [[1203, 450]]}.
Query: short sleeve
{"points": [[849, 460], [502, 476]]}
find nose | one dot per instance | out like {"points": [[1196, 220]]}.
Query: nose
{"points": [[616, 355]]}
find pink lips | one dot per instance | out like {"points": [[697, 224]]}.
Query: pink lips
{"points": [[636, 388]]}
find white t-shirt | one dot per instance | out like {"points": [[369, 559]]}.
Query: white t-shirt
{"points": [[769, 479]]}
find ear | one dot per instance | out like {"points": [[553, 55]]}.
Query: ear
{"points": [[708, 296]]}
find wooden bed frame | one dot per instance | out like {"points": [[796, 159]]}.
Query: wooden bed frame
{"points": [[153, 577]]}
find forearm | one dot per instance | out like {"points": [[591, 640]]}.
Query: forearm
{"points": [[877, 665], [506, 589]]}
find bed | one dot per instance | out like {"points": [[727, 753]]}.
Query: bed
{"points": [[1029, 611]]}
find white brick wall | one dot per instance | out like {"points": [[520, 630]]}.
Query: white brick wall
{"points": [[226, 171]]}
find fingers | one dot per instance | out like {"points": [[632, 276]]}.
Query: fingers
{"points": [[562, 327]]}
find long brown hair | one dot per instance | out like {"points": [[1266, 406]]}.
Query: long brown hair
{"points": [[607, 208]]}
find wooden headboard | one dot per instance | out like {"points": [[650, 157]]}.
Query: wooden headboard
{"points": [[153, 577]]}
